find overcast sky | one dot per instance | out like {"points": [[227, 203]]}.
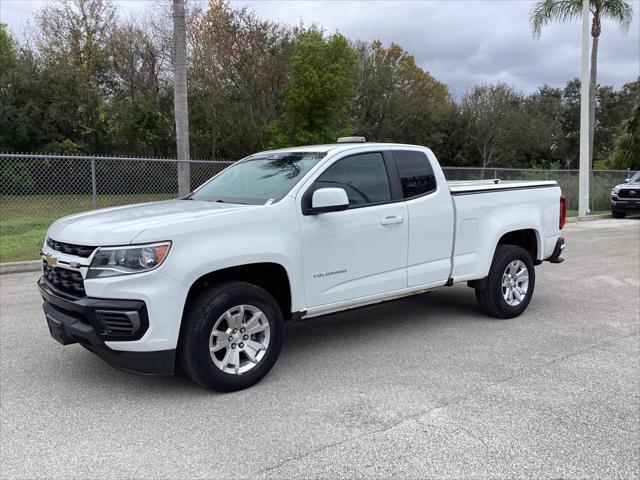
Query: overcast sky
{"points": [[461, 42]]}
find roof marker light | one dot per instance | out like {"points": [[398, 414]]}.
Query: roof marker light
{"points": [[352, 140]]}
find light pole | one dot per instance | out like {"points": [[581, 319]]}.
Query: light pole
{"points": [[585, 168], [180, 97]]}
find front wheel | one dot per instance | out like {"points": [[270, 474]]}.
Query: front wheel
{"points": [[617, 214], [508, 288], [231, 337]]}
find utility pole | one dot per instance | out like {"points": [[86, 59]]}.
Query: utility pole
{"points": [[585, 167]]}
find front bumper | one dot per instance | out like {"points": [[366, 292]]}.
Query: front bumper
{"points": [[92, 321], [626, 206]]}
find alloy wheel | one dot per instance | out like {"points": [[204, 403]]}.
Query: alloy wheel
{"points": [[515, 283], [239, 339]]}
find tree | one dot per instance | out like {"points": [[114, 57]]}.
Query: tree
{"points": [[90, 81], [71, 40], [180, 97], [396, 100], [239, 64], [626, 153], [7, 49], [494, 122], [37, 110], [316, 99], [544, 143], [139, 111], [546, 11], [76, 32]]}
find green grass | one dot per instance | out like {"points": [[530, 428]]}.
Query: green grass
{"points": [[574, 213], [24, 219]]}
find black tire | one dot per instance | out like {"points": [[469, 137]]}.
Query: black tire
{"points": [[617, 214], [490, 296], [200, 317]]}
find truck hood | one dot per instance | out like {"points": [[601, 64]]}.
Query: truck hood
{"points": [[121, 225], [627, 186]]}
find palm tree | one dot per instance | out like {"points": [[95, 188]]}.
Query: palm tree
{"points": [[180, 96], [626, 153], [546, 11]]}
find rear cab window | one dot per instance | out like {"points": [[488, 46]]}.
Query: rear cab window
{"points": [[416, 173]]}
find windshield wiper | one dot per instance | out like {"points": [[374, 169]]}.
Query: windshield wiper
{"points": [[224, 201]]}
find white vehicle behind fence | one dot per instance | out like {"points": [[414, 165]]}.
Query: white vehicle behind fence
{"points": [[208, 281]]}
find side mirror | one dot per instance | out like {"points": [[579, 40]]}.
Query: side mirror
{"points": [[626, 180], [329, 200]]}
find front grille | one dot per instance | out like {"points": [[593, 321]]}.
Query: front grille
{"points": [[65, 281], [119, 323], [626, 193], [70, 249]]}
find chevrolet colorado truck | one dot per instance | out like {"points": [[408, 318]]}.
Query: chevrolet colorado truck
{"points": [[207, 282]]}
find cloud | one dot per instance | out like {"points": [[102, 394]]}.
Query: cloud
{"points": [[467, 42]]}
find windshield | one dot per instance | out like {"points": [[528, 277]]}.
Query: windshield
{"points": [[259, 178], [635, 180]]}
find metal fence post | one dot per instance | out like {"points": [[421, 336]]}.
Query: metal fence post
{"points": [[591, 192], [94, 195]]}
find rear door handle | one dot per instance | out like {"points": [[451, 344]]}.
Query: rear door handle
{"points": [[391, 220]]}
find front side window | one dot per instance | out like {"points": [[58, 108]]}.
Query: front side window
{"points": [[259, 178], [363, 177], [416, 173]]}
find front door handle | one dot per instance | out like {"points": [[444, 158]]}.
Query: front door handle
{"points": [[391, 220]]}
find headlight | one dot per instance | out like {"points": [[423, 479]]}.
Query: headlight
{"points": [[114, 261]]}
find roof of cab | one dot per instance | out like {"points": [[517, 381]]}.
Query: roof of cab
{"points": [[338, 147]]}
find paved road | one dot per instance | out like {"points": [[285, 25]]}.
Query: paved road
{"points": [[422, 387]]}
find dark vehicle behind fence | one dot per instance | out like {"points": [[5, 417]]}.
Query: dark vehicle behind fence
{"points": [[625, 198]]}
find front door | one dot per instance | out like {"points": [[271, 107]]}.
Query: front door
{"points": [[360, 251]]}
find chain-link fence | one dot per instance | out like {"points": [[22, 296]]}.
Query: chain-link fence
{"points": [[35, 190], [81, 182]]}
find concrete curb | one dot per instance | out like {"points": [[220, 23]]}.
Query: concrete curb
{"points": [[19, 267], [588, 218]]}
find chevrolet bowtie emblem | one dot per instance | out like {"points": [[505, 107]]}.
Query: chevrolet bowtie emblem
{"points": [[51, 261]]}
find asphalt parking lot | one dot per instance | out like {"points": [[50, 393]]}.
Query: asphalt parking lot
{"points": [[415, 388]]}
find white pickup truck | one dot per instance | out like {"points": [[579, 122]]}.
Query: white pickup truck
{"points": [[207, 282]]}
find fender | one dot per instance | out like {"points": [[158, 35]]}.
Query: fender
{"points": [[509, 229], [295, 286]]}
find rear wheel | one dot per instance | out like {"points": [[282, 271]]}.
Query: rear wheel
{"points": [[232, 336], [508, 288]]}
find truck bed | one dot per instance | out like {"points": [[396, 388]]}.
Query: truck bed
{"points": [[485, 210], [466, 187]]}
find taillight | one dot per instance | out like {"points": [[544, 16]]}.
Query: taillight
{"points": [[563, 211]]}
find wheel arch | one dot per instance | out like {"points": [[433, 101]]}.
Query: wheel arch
{"points": [[270, 276], [527, 238]]}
